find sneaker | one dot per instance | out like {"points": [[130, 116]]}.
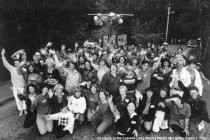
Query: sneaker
{"points": [[170, 130], [21, 113], [25, 112]]}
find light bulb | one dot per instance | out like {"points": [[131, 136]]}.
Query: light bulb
{"points": [[95, 18], [111, 14], [120, 21]]}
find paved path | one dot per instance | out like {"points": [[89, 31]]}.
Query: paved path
{"points": [[5, 92]]}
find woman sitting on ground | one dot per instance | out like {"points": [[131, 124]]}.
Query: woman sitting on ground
{"points": [[74, 110], [146, 110], [31, 93], [103, 118], [128, 123], [58, 101], [43, 108], [92, 100], [162, 112]]}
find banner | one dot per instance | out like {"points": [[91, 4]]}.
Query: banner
{"points": [[120, 40], [105, 40]]}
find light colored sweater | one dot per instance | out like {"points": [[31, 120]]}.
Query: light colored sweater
{"points": [[77, 105], [16, 78]]}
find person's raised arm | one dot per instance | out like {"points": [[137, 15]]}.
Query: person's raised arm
{"points": [[95, 66], [113, 108], [57, 63], [14, 55], [156, 65], [5, 62]]}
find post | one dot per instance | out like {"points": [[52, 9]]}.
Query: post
{"points": [[169, 10]]}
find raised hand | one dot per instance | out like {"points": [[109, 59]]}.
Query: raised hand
{"points": [[50, 93], [52, 51], [63, 47], [117, 117], [3, 52], [135, 133], [49, 44], [138, 95], [110, 98]]}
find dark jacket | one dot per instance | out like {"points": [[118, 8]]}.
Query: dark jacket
{"points": [[127, 125], [198, 109], [56, 105], [111, 84], [89, 75], [122, 105], [152, 109]]}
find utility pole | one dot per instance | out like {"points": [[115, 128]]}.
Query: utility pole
{"points": [[169, 10]]}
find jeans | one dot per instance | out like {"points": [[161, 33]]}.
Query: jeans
{"points": [[101, 124], [21, 105], [43, 125]]}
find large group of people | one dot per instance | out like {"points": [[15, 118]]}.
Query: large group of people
{"points": [[134, 88]]}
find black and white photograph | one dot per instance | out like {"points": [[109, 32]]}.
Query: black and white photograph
{"points": [[105, 69]]}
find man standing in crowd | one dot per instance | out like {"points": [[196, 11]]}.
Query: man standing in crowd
{"points": [[18, 82]]}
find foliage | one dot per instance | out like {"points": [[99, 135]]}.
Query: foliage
{"points": [[32, 23]]}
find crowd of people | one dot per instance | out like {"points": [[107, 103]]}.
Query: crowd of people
{"points": [[134, 88]]}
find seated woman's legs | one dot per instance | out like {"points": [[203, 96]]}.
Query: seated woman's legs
{"points": [[41, 125], [104, 125], [96, 120], [49, 125], [147, 127], [30, 119], [159, 116], [178, 130], [90, 115], [58, 130], [81, 118]]}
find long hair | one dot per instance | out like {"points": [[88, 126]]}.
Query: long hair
{"points": [[31, 85]]}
